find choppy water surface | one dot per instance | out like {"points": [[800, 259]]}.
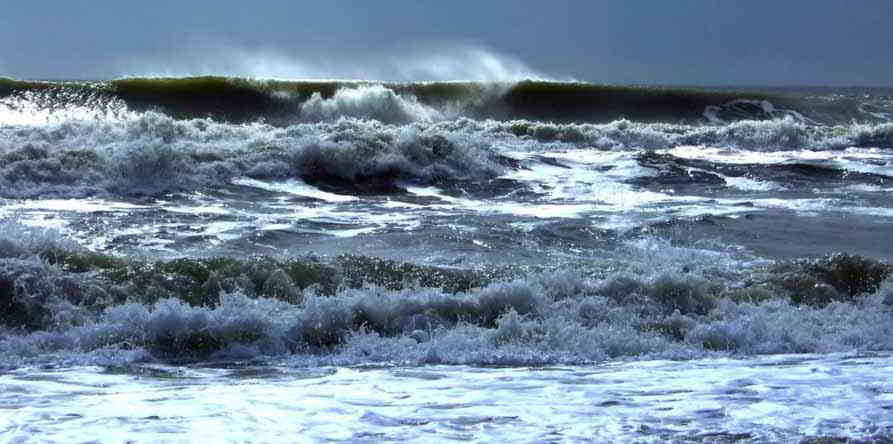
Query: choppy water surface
{"points": [[443, 261]]}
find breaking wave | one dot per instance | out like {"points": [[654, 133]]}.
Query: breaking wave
{"points": [[240, 100], [64, 301], [368, 102], [75, 149], [152, 153], [281, 101]]}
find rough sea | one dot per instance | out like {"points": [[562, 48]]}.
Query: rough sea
{"points": [[240, 260]]}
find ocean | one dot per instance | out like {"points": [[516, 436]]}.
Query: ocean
{"points": [[246, 260]]}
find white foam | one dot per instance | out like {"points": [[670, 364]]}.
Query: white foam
{"points": [[38, 108], [296, 187], [711, 112], [488, 206], [766, 399], [748, 184], [211, 209], [584, 179], [73, 205], [806, 206], [224, 230], [368, 102], [544, 211], [743, 156], [866, 188], [434, 192], [869, 160]]}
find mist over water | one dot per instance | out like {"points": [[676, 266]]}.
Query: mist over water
{"points": [[427, 62]]}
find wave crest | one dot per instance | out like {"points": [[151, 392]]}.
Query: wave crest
{"points": [[368, 102]]}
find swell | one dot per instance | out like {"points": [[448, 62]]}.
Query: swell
{"points": [[281, 102]]}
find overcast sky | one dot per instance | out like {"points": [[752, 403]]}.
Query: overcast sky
{"points": [[712, 42]]}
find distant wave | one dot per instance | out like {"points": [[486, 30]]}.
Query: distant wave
{"points": [[275, 101]]}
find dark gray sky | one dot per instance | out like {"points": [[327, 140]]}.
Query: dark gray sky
{"points": [[715, 42]]}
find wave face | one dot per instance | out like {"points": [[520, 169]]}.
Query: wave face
{"points": [[241, 100]]}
